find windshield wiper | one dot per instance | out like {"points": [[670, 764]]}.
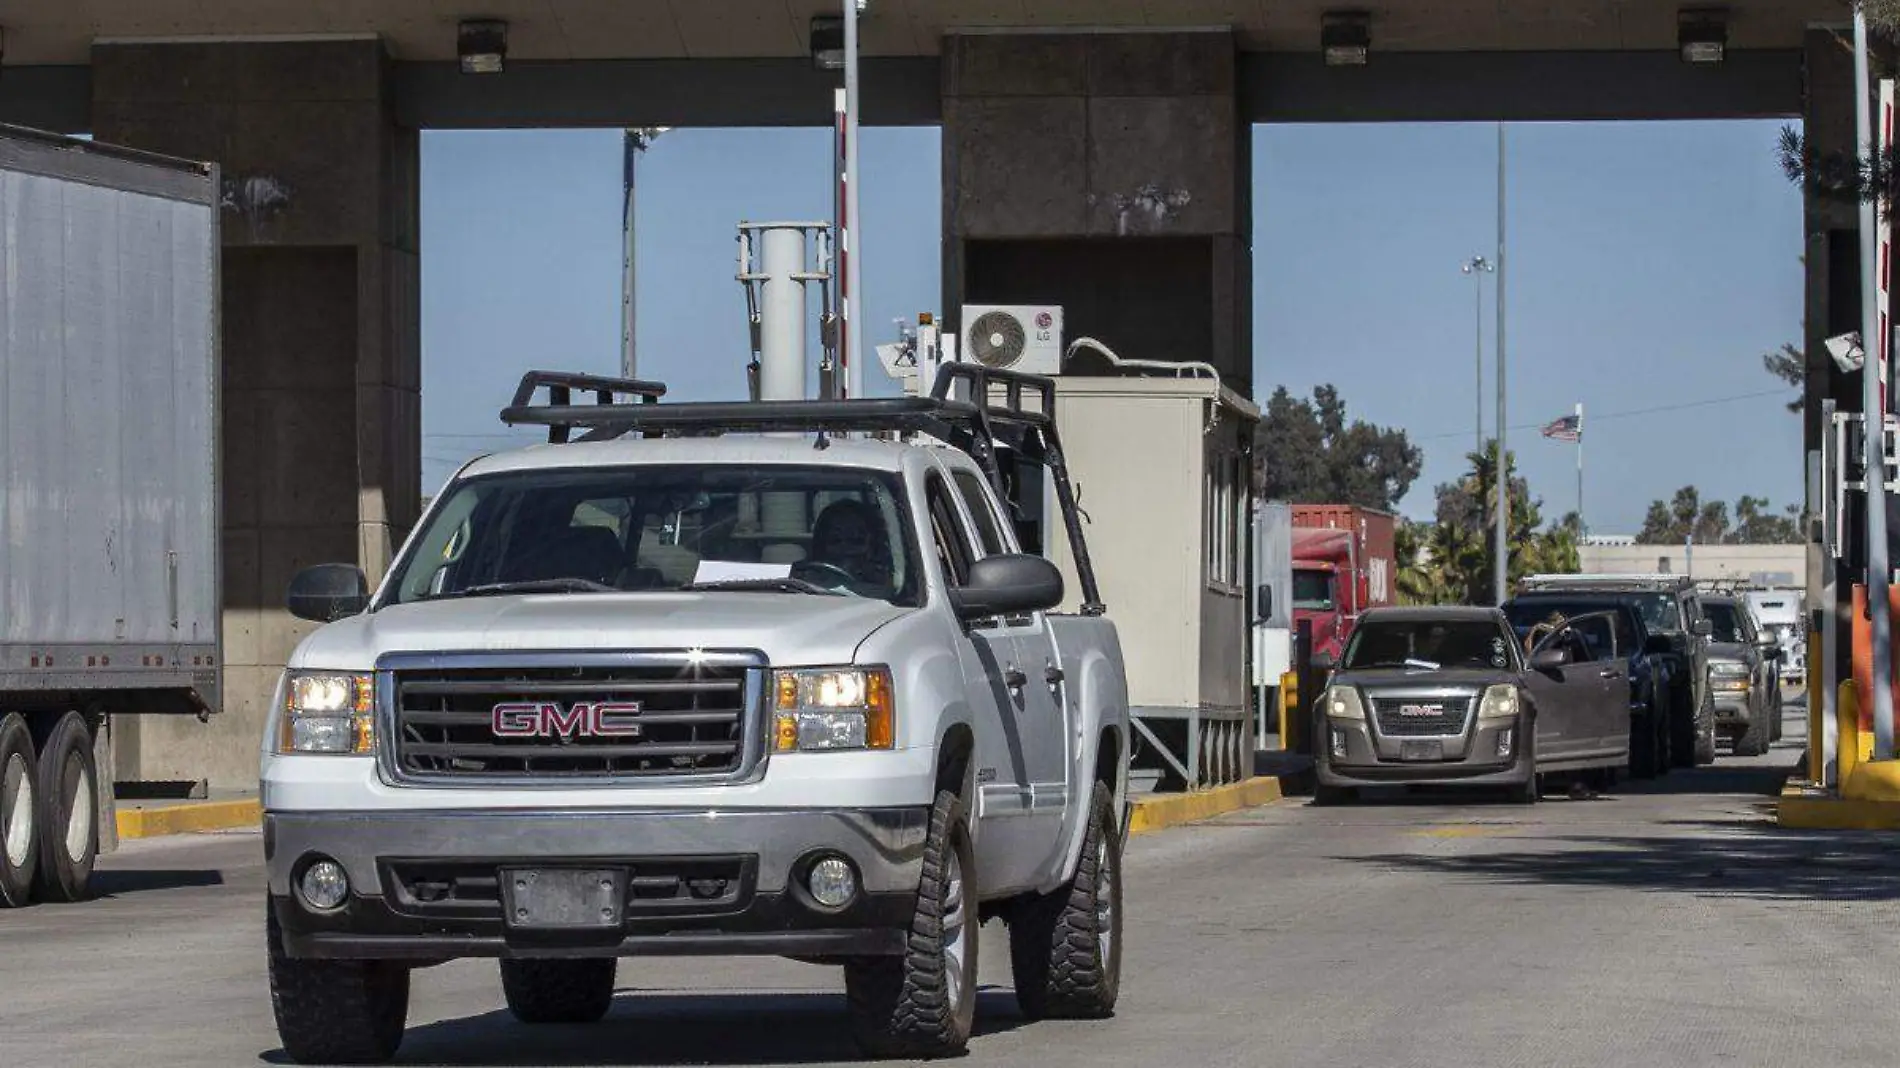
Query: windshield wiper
{"points": [[764, 585], [554, 585]]}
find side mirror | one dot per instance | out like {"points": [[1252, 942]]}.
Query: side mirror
{"points": [[1702, 628], [328, 592], [1008, 585], [1550, 659], [1322, 661], [1263, 602]]}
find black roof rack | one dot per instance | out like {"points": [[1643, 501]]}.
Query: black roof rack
{"points": [[993, 408]]}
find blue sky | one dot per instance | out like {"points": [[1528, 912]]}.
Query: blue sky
{"points": [[1650, 266]]}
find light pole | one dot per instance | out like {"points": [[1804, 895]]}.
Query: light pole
{"points": [[1477, 267], [1503, 562], [634, 141], [852, 301]]}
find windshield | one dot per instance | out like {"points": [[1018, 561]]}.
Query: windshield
{"points": [[1658, 611], [1462, 643], [646, 528], [1313, 589], [1722, 617]]}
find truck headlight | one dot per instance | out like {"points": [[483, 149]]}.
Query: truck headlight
{"points": [[1498, 702], [833, 708], [1342, 702], [328, 712]]}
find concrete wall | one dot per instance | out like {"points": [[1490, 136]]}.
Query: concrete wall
{"points": [[1789, 562], [321, 339], [1108, 173]]}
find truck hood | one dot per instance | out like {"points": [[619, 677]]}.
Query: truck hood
{"points": [[791, 629], [1376, 679]]}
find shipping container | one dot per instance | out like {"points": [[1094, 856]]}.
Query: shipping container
{"points": [[109, 564]]}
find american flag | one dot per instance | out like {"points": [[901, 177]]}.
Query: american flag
{"points": [[1566, 429]]}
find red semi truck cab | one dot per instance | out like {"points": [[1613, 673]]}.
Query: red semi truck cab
{"points": [[1343, 564]]}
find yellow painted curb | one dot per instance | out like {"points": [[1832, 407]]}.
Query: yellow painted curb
{"points": [[1806, 811], [188, 819], [1170, 810]]}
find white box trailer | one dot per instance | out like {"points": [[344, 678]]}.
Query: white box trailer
{"points": [[1164, 471], [108, 413]]}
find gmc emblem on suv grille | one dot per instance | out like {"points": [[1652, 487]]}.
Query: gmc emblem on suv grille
{"points": [[582, 719], [1420, 710]]}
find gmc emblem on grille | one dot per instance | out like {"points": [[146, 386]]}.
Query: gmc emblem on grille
{"points": [[1420, 710], [582, 719]]}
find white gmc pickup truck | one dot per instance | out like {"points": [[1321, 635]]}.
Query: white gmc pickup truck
{"points": [[769, 678]]}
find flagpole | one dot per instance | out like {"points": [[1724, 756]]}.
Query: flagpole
{"points": [[1582, 527]]}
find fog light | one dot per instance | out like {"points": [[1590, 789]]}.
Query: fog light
{"points": [[324, 885], [832, 882], [1339, 742], [1504, 742]]}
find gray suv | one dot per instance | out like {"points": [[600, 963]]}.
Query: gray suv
{"points": [[1670, 607]]}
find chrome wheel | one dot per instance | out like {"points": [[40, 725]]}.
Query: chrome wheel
{"points": [[956, 932], [17, 787]]}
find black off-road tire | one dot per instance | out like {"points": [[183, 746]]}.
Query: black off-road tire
{"points": [[542, 991], [1684, 729], [336, 1011], [1776, 714], [1753, 741], [902, 1006], [19, 811], [1063, 967], [1530, 791], [69, 812]]}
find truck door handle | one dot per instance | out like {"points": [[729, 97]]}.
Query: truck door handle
{"points": [[1611, 673], [1052, 675], [1014, 678]]}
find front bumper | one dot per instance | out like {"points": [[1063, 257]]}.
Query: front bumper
{"points": [[1733, 707], [428, 886], [1374, 760]]}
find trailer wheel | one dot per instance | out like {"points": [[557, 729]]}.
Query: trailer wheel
{"points": [[69, 811], [19, 813]]}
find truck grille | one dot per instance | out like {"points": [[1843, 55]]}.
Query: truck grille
{"points": [[1421, 717], [666, 721]]}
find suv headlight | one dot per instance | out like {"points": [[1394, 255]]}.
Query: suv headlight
{"points": [[328, 712], [1342, 702], [818, 709], [1498, 702]]}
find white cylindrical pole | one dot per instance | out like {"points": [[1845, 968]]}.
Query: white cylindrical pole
{"points": [[782, 314], [782, 372], [1503, 562], [1873, 403], [851, 298]]}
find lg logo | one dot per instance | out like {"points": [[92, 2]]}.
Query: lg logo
{"points": [[583, 719]]}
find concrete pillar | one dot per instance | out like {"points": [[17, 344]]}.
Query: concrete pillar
{"points": [[321, 337], [1109, 173]]}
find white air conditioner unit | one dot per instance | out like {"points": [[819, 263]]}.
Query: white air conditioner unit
{"points": [[1026, 338]]}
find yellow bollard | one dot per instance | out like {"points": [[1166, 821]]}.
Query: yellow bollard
{"points": [[1847, 723], [1289, 708]]}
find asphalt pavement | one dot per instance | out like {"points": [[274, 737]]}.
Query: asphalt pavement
{"points": [[1668, 924]]}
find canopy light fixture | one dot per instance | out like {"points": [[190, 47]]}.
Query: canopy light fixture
{"points": [[482, 44], [1702, 34], [1345, 37]]}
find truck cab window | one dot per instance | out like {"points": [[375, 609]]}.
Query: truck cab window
{"points": [[1313, 589], [978, 502], [946, 534]]}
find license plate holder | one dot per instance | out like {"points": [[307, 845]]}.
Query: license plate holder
{"points": [[1422, 750], [563, 899]]}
